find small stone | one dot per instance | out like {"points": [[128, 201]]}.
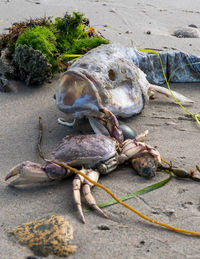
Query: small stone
{"points": [[185, 204], [128, 132], [192, 25], [170, 123], [169, 213], [47, 236], [142, 242], [103, 227]]}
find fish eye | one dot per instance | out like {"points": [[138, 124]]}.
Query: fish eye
{"points": [[112, 75]]}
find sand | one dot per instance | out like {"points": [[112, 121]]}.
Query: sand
{"points": [[175, 135]]}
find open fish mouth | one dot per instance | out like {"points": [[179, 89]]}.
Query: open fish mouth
{"points": [[81, 94], [77, 95]]}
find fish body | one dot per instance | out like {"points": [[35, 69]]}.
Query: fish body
{"points": [[114, 77]]}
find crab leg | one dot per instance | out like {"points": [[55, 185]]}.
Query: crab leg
{"points": [[110, 122], [66, 123], [141, 137], [78, 180], [93, 175]]}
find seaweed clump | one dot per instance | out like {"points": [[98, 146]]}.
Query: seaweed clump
{"points": [[7, 40], [39, 48], [75, 36], [33, 66]]}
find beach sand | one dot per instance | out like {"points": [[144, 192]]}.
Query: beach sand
{"points": [[175, 135]]}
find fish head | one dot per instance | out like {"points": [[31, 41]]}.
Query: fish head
{"points": [[103, 78]]}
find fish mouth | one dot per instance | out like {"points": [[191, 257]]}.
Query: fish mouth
{"points": [[77, 95]]}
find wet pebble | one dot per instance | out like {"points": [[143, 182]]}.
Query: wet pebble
{"points": [[128, 132], [148, 32]]}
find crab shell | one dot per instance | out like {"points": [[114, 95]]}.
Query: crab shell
{"points": [[89, 151], [105, 77]]}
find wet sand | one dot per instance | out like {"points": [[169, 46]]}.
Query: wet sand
{"points": [[175, 135]]}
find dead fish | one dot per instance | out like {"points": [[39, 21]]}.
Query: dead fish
{"points": [[117, 78]]}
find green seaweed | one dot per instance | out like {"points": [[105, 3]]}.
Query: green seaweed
{"points": [[42, 39], [7, 40], [70, 34], [67, 35], [82, 46], [69, 28]]}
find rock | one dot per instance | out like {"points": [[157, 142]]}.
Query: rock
{"points": [[148, 32], [192, 25], [6, 68], [47, 236], [33, 65], [188, 32]]}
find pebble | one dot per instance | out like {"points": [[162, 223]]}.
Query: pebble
{"points": [[187, 32], [103, 227], [128, 132], [192, 25]]}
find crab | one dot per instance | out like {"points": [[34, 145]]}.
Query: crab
{"points": [[95, 154]]}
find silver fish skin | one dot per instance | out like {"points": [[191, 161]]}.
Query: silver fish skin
{"points": [[104, 77], [117, 78]]}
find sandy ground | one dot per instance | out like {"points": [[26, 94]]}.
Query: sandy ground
{"points": [[175, 135]]}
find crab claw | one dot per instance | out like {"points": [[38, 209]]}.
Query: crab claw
{"points": [[27, 172], [145, 164], [144, 158]]}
